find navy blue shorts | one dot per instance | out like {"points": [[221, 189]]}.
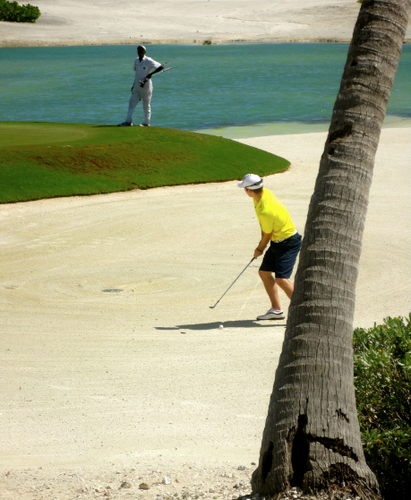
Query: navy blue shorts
{"points": [[280, 257]]}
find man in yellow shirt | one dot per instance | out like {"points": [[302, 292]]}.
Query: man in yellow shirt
{"points": [[278, 230]]}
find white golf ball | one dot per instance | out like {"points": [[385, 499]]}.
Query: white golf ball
{"points": [[221, 326]]}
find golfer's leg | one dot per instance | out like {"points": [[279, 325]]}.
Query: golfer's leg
{"points": [[147, 107], [285, 285], [134, 100], [270, 286]]}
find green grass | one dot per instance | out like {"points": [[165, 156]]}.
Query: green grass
{"points": [[45, 160]]}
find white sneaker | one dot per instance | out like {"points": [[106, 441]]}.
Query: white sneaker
{"points": [[270, 314]]}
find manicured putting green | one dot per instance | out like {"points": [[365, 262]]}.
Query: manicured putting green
{"points": [[44, 160]]}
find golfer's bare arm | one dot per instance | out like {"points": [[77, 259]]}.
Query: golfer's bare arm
{"points": [[157, 70], [265, 240]]}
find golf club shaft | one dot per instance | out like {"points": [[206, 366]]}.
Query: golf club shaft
{"points": [[143, 82], [212, 307], [162, 71]]}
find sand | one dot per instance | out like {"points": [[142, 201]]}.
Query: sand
{"points": [[78, 22], [101, 386], [114, 373]]}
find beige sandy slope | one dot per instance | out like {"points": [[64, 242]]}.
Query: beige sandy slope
{"points": [[100, 387], [142, 383], [77, 22]]}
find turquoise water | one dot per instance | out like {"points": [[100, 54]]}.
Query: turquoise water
{"points": [[267, 86]]}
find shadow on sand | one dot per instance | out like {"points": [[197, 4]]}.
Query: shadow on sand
{"points": [[227, 324]]}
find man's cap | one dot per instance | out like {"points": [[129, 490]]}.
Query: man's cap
{"points": [[142, 47], [251, 181]]}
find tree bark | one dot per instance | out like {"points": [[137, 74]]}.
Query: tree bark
{"points": [[312, 438]]}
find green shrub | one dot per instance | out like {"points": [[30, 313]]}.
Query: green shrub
{"points": [[13, 12], [382, 371]]}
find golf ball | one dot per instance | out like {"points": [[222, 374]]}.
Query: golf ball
{"points": [[221, 326]]}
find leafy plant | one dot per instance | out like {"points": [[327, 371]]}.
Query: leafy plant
{"points": [[13, 12], [382, 371]]}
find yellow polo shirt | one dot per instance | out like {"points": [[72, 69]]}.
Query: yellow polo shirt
{"points": [[273, 217]]}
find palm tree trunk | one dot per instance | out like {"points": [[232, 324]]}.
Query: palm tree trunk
{"points": [[312, 436]]}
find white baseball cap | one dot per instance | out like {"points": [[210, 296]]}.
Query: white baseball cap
{"points": [[251, 181]]}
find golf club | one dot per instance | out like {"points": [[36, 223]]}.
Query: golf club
{"points": [[143, 82], [212, 307]]}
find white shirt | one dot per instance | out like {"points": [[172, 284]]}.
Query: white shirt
{"points": [[144, 67]]}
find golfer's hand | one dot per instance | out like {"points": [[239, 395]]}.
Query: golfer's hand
{"points": [[258, 253]]}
